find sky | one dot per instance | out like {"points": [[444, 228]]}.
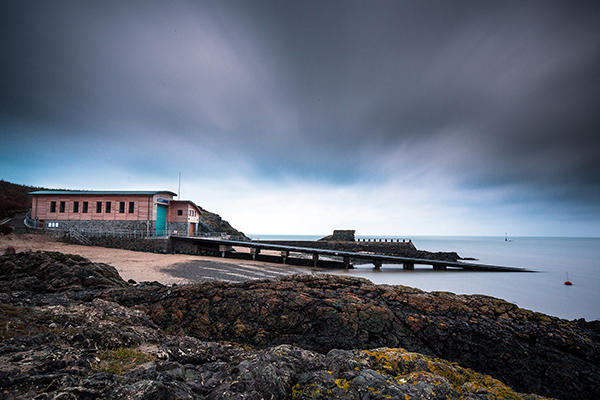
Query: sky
{"points": [[391, 118]]}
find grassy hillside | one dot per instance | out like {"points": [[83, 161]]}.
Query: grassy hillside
{"points": [[14, 198]]}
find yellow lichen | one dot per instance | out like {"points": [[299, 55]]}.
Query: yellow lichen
{"points": [[386, 360], [310, 390], [342, 383], [404, 367]]}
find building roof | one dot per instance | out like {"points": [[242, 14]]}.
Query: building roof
{"points": [[103, 192], [187, 201]]}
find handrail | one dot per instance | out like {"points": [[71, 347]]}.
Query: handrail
{"points": [[214, 235], [79, 237], [28, 221]]}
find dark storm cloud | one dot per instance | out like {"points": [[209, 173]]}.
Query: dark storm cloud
{"points": [[519, 81], [165, 68], [327, 89]]}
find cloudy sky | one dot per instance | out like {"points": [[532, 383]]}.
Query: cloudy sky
{"points": [[301, 117]]}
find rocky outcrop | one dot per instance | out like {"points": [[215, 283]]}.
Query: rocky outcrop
{"points": [[66, 336], [71, 365], [213, 223], [50, 272], [531, 352], [76, 360]]}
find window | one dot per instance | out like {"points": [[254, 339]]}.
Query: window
{"points": [[107, 210], [179, 212], [62, 207], [131, 205], [98, 206], [75, 206], [52, 206], [121, 207], [85, 206]]}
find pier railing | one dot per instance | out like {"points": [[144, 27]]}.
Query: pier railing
{"points": [[383, 240], [213, 235]]}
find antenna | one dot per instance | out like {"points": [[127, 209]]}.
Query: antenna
{"points": [[179, 190]]}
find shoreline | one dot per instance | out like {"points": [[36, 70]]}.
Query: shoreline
{"points": [[181, 269], [166, 269]]}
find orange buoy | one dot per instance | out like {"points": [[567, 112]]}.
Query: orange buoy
{"points": [[568, 282]]}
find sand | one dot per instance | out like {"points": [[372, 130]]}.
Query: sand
{"points": [[164, 268]]}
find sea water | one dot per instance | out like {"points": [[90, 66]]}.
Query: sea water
{"points": [[544, 290]]}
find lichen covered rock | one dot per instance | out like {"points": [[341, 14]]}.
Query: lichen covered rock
{"points": [[531, 352], [297, 337]]}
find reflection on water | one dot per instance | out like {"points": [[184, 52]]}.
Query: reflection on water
{"points": [[543, 291]]}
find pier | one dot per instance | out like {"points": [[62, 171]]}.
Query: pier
{"points": [[322, 257]]}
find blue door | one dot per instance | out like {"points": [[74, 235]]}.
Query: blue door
{"points": [[161, 220]]}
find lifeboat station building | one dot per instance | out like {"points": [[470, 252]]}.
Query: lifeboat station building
{"points": [[153, 213]]}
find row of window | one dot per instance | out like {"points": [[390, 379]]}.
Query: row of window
{"points": [[191, 213], [85, 205]]}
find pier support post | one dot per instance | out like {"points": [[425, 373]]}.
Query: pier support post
{"points": [[347, 262], [254, 251], [315, 259], [285, 254], [377, 264], [408, 266], [223, 248]]}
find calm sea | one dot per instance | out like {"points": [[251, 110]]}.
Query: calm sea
{"points": [[543, 291]]}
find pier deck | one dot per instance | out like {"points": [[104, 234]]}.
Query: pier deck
{"points": [[226, 246]]}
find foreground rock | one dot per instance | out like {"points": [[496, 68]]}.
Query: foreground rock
{"points": [[78, 331], [531, 352], [75, 361]]}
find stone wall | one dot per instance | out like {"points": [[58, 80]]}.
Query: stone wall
{"points": [[180, 227], [152, 245], [346, 236], [88, 225], [184, 246], [55, 233], [139, 227]]}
